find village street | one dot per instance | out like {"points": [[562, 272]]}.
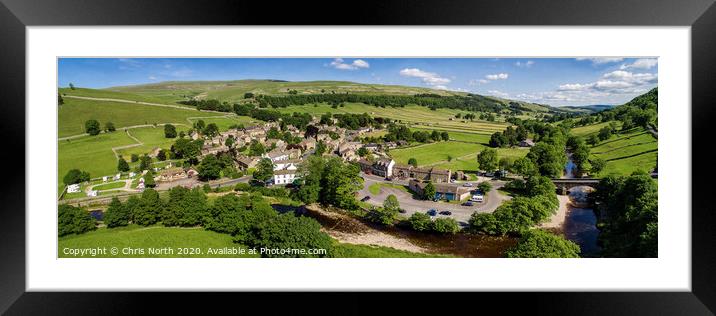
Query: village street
{"points": [[461, 213]]}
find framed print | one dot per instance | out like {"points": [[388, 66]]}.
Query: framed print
{"points": [[517, 151]]}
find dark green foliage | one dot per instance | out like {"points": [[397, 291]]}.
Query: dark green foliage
{"points": [[92, 127], [122, 165], [147, 211], [538, 243], [116, 214], [75, 176], [134, 158], [109, 127], [485, 186], [382, 215], [284, 234], [256, 148], [210, 130], [185, 207], [329, 181], [210, 168], [145, 163], [187, 149], [73, 220], [170, 131], [630, 205], [162, 155], [149, 179], [413, 162]]}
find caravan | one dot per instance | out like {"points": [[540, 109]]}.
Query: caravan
{"points": [[478, 198]]}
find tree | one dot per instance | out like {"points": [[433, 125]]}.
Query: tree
{"points": [[185, 207], [605, 133], [162, 155], [122, 165], [413, 162], [445, 225], [445, 136], [420, 221], [320, 148], [593, 140], [549, 158], [264, 170], [109, 127], [146, 212], [75, 176], [73, 220], [256, 148], [429, 191], [149, 179], [210, 168], [484, 187], [538, 243], [92, 127], [134, 158], [505, 163], [524, 167], [145, 162], [199, 125], [487, 160], [116, 214], [60, 100], [391, 203], [170, 131], [598, 164], [287, 231], [248, 95], [362, 152], [383, 215], [72, 86], [211, 130]]}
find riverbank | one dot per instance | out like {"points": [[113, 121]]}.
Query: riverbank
{"points": [[347, 229], [557, 220]]}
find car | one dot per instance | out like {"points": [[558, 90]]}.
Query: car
{"points": [[402, 211], [477, 198], [445, 213], [467, 184], [468, 203], [432, 212], [365, 198], [489, 174]]}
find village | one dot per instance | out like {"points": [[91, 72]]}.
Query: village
{"points": [[381, 173]]}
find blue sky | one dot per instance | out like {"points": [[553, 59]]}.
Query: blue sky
{"points": [[553, 81]]}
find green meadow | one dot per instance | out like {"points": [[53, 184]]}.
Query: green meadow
{"points": [[452, 155], [628, 152], [75, 112]]}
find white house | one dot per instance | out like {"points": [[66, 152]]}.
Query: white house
{"points": [[284, 176], [73, 188], [117, 176], [92, 193]]}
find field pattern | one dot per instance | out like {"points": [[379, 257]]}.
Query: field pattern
{"points": [[629, 152]]}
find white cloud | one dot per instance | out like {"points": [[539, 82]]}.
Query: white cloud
{"points": [[616, 82], [526, 64], [602, 60], [338, 63], [498, 94], [500, 76], [641, 63], [152, 78], [429, 78]]}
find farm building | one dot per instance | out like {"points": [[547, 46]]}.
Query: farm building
{"points": [[382, 167], [426, 174], [245, 162], [443, 191]]}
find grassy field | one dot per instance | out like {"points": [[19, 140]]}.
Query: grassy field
{"points": [[590, 129], [90, 153], [626, 153], [109, 186], [375, 187], [451, 155], [150, 237], [152, 138], [107, 94], [234, 90], [75, 112], [156, 237]]}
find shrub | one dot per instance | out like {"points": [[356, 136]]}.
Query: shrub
{"points": [[537, 243], [420, 221], [445, 225]]}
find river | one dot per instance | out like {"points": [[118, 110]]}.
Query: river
{"points": [[580, 224]]}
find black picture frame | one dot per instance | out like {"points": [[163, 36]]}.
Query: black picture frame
{"points": [[15, 15]]}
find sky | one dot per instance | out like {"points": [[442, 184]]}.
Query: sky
{"points": [[552, 81]]}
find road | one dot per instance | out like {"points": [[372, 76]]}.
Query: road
{"points": [[459, 212]]}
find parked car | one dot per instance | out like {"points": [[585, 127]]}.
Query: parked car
{"points": [[468, 203], [467, 184], [477, 198], [445, 213], [402, 211], [365, 198], [432, 212]]}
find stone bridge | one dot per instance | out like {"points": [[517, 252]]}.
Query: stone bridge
{"points": [[564, 185]]}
